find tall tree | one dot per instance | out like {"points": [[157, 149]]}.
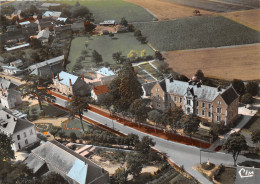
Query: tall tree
{"points": [[138, 109], [155, 116], [123, 21], [252, 88], [6, 152], [96, 57], [120, 175], [235, 144], [117, 56], [239, 86], [145, 145], [247, 99], [131, 140], [255, 137], [134, 164], [199, 74], [77, 106], [190, 123], [35, 87], [173, 117]]}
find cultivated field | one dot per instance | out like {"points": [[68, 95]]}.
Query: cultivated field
{"points": [[115, 9], [106, 46], [241, 62], [250, 18], [197, 32], [166, 10]]}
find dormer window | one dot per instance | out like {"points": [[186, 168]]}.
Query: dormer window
{"points": [[219, 102], [7, 116]]}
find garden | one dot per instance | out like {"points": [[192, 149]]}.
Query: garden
{"points": [[82, 48], [197, 32], [115, 10]]}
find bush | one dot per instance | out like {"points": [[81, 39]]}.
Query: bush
{"points": [[247, 99], [218, 172], [207, 166]]}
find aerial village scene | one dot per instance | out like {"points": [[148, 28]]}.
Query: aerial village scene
{"points": [[130, 92]]}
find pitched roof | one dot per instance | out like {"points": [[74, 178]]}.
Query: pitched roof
{"points": [[12, 68], [203, 92], [105, 71], [65, 77], [18, 61], [99, 90], [229, 95], [6, 84], [64, 160], [163, 84], [43, 34], [78, 26], [148, 87]]}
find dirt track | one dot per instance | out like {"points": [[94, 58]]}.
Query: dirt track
{"points": [[241, 62]]}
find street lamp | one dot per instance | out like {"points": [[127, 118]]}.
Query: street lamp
{"points": [[205, 150]]}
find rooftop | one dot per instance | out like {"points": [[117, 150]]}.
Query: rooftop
{"points": [[65, 77], [98, 90], [105, 71], [43, 34], [47, 62]]}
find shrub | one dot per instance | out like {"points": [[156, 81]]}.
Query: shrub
{"points": [[207, 166]]}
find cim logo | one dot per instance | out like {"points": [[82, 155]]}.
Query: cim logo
{"points": [[245, 173]]}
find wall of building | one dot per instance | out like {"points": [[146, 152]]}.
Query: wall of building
{"points": [[158, 97]]}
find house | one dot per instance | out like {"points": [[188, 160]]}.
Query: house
{"points": [[76, 169], [108, 23], [59, 29], [14, 123], [78, 26], [46, 68], [16, 13], [210, 103], [12, 70], [43, 36], [16, 63], [45, 23], [147, 89], [69, 84], [9, 96], [99, 91], [53, 14]]}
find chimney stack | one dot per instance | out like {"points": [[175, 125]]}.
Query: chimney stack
{"points": [[70, 82], [52, 75], [82, 77], [58, 77], [219, 88]]}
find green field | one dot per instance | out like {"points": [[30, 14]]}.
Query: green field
{"points": [[106, 46], [115, 10], [197, 32]]}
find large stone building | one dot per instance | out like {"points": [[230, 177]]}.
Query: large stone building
{"points": [[213, 104], [69, 84], [15, 124]]}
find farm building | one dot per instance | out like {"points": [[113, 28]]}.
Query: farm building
{"points": [[108, 23]]}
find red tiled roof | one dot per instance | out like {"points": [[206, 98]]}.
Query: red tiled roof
{"points": [[98, 90]]}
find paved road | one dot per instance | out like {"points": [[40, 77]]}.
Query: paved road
{"points": [[187, 156]]}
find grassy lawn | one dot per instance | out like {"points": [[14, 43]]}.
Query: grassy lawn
{"points": [[75, 123], [253, 124], [197, 32], [151, 70], [115, 9], [106, 46], [228, 176]]}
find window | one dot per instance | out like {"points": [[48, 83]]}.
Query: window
{"points": [[218, 118], [157, 89], [24, 134], [188, 110], [218, 110], [203, 104], [188, 102], [209, 106], [170, 105], [219, 102], [18, 137], [7, 116], [209, 114], [158, 97], [203, 113], [197, 103], [26, 141], [31, 132], [19, 146], [180, 100], [175, 98], [197, 111]]}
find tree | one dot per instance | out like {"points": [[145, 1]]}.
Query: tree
{"points": [[120, 175], [80, 11], [155, 116], [138, 109], [158, 55], [255, 137], [96, 57], [36, 88], [199, 74], [252, 88], [131, 140], [190, 123], [106, 100], [143, 53], [35, 43], [247, 99], [77, 106], [145, 145], [138, 33], [235, 144], [173, 117], [134, 164], [6, 152], [239, 86], [35, 57], [123, 21], [132, 54], [196, 12], [73, 137], [55, 130], [54, 178], [61, 134], [117, 56]]}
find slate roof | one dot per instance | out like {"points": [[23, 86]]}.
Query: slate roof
{"points": [[12, 68], [78, 26], [99, 90], [65, 77], [148, 87], [163, 85], [105, 71], [65, 161], [43, 34], [6, 84], [229, 95], [203, 92], [52, 13]]}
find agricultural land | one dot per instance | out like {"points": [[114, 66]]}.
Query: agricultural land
{"points": [[115, 9], [225, 63], [250, 18], [197, 32], [166, 10], [104, 45]]}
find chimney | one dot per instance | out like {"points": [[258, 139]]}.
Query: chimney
{"points": [[219, 88], [198, 84], [52, 75], [190, 82], [70, 82], [82, 77], [58, 77]]}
